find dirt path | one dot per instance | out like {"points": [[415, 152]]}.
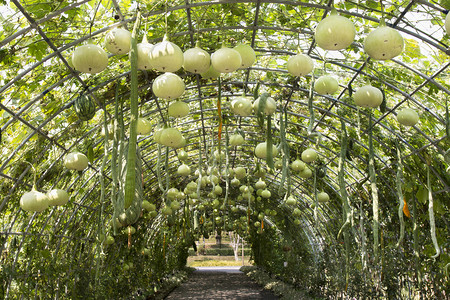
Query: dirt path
{"points": [[220, 283]]}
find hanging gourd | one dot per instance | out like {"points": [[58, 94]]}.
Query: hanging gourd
{"points": [[323, 197], [305, 173], [34, 201], [240, 172], [242, 106], [57, 197], [157, 135], [368, 96], [260, 184], [143, 58], [266, 194], [298, 165], [84, 107], [248, 55], [447, 24], [235, 182], [118, 41], [291, 201], [383, 43], [178, 109], [165, 56], [261, 150], [236, 140], [171, 137], [226, 60], [408, 117], [182, 155], [184, 170], [335, 32], [76, 161], [309, 155], [168, 86], [269, 108], [89, 58], [326, 85], [196, 60], [300, 65], [143, 126]]}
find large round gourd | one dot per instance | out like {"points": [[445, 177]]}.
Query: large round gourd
{"points": [[368, 96], [57, 197], [171, 137], [270, 107], [300, 65], [309, 155], [335, 32], [143, 58], [118, 41], [261, 150], [165, 56], [196, 60], [168, 86], [326, 85], [242, 106], [34, 201], [248, 55], [76, 161], [178, 109], [407, 117], [143, 126], [226, 60], [383, 43], [184, 170], [90, 59], [84, 107], [236, 140]]}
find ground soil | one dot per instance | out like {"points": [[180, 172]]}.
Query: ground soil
{"points": [[220, 284]]}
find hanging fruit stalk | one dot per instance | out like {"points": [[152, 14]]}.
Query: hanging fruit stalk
{"points": [[342, 185], [400, 194], [269, 158], [312, 117], [416, 245], [431, 215], [285, 147], [373, 185], [130, 183]]}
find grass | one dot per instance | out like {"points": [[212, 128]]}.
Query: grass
{"points": [[212, 255], [216, 261]]}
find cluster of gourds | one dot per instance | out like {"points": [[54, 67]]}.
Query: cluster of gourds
{"points": [[334, 32]]}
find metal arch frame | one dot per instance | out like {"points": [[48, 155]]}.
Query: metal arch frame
{"points": [[254, 30]]}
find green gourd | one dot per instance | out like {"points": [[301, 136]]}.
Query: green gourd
{"points": [[84, 107]]}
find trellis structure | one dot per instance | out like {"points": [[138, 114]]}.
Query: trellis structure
{"points": [[61, 252]]}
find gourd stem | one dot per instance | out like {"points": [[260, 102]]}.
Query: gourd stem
{"points": [[34, 176], [310, 106], [400, 194], [130, 182], [431, 215], [372, 177]]}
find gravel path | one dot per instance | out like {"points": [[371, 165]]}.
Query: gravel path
{"points": [[220, 283]]}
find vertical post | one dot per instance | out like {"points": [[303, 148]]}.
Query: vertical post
{"points": [[242, 251]]}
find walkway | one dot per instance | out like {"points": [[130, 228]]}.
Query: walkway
{"points": [[220, 283]]}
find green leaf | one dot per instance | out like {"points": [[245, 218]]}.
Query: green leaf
{"points": [[422, 195], [37, 49], [90, 154]]}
